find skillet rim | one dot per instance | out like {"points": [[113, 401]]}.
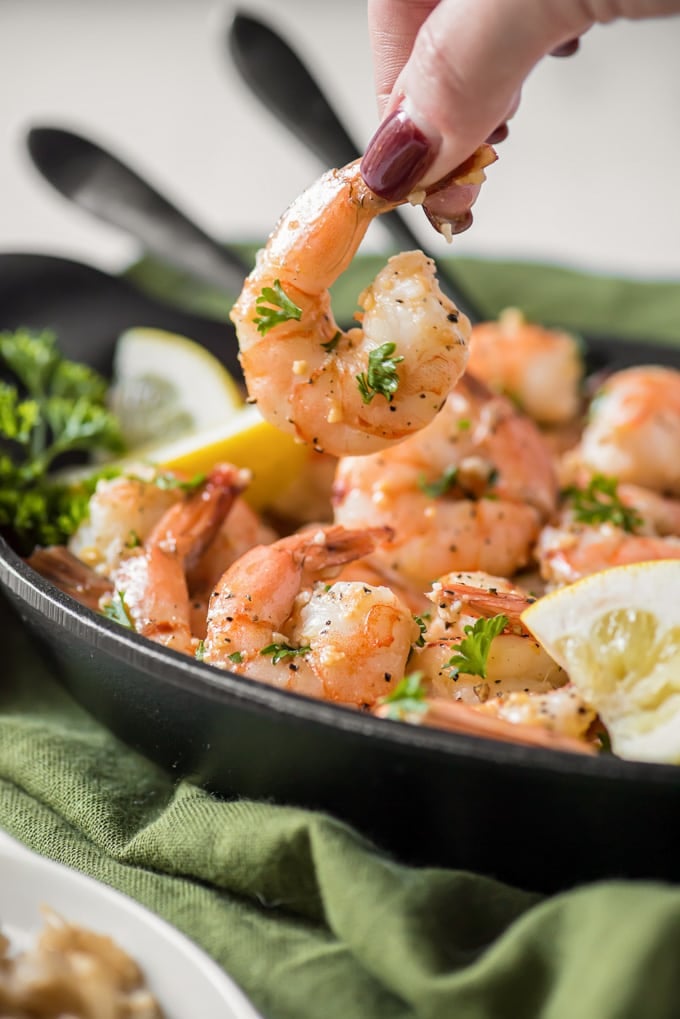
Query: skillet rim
{"points": [[198, 678]]}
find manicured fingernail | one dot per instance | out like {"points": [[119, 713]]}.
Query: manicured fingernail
{"points": [[398, 156], [449, 225], [566, 49], [499, 135]]}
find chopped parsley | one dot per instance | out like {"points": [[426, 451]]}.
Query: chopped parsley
{"points": [[407, 698], [332, 343], [600, 503], [169, 481], [200, 650], [281, 651], [422, 622], [117, 610], [273, 307], [236, 657], [381, 376], [473, 650], [440, 486]]}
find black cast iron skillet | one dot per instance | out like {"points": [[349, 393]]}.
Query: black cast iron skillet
{"points": [[540, 819]]}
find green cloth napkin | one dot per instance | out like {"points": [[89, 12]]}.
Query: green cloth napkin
{"points": [[308, 917], [596, 304]]}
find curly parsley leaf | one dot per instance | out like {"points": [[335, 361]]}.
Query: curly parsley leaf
{"points": [[49, 407], [600, 503], [473, 650], [274, 306], [381, 375], [280, 651], [407, 698]]}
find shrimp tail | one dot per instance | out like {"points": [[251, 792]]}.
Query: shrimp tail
{"points": [[335, 546]]}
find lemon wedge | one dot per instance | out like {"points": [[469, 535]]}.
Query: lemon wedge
{"points": [[181, 410], [165, 384], [246, 440], [617, 633]]}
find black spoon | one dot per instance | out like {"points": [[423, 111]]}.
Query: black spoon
{"points": [[98, 181], [282, 82], [88, 309]]}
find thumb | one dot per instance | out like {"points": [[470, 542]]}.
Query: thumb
{"points": [[461, 81]]}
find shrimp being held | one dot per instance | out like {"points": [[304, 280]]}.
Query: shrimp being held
{"points": [[468, 492], [270, 618], [358, 391]]}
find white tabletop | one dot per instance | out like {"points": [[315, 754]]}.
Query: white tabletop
{"points": [[587, 178]]}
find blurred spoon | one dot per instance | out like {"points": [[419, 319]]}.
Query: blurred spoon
{"points": [[98, 181], [88, 309], [283, 83]]}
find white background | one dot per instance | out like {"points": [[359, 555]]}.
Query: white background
{"points": [[588, 178]]}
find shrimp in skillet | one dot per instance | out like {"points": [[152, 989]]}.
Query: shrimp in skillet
{"points": [[570, 550], [468, 492], [273, 618], [151, 581], [540, 369], [633, 430], [70, 575], [362, 390], [516, 663], [557, 720]]}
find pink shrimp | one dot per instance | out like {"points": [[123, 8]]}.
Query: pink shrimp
{"points": [[152, 583], [271, 619]]}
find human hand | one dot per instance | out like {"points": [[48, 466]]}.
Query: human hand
{"points": [[449, 75]]}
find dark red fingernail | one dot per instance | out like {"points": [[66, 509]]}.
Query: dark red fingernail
{"points": [[499, 135], [566, 49], [397, 157], [457, 225]]}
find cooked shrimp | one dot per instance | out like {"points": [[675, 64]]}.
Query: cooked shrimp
{"points": [[270, 620], [538, 368], [569, 551], [241, 530], [558, 720], [468, 492], [357, 391], [152, 583], [633, 431], [122, 512], [515, 661], [70, 575]]}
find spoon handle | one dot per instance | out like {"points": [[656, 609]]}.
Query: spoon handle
{"points": [[282, 82], [98, 181]]}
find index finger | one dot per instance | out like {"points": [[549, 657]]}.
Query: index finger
{"points": [[393, 26]]}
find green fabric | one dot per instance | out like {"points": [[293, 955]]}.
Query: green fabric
{"points": [[598, 305], [305, 915]]}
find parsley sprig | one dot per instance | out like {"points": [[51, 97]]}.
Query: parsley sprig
{"points": [[407, 698], [473, 651], [280, 651], [381, 375], [599, 503], [274, 306], [49, 406]]}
